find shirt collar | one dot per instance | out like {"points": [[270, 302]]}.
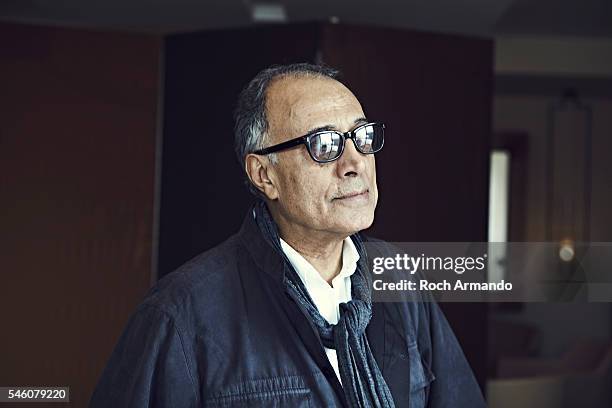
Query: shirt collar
{"points": [[309, 275]]}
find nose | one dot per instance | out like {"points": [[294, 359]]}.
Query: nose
{"points": [[352, 162]]}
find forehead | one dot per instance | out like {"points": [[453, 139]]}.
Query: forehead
{"points": [[300, 104]]}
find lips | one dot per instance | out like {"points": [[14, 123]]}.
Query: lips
{"points": [[352, 195]]}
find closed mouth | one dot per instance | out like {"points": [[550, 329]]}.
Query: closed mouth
{"points": [[354, 194]]}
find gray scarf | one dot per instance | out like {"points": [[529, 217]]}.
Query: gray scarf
{"points": [[362, 381]]}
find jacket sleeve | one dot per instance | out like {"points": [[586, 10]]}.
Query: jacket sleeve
{"points": [[454, 384], [148, 367]]}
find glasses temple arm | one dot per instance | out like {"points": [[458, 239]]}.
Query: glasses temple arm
{"points": [[282, 146]]}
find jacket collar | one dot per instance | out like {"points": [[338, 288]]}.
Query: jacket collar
{"points": [[262, 253]]}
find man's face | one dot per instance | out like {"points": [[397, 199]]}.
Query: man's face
{"points": [[337, 197]]}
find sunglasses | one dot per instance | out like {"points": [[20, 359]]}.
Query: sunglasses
{"points": [[327, 145]]}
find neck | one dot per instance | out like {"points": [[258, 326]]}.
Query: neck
{"points": [[326, 258], [322, 249]]}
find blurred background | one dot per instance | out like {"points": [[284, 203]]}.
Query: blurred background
{"points": [[117, 164]]}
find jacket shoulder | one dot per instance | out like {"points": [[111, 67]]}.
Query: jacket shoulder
{"points": [[193, 282]]}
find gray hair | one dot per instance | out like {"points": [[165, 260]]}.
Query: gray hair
{"points": [[251, 123]]}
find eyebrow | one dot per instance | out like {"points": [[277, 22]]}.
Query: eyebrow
{"points": [[358, 121]]}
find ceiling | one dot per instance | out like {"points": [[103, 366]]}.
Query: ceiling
{"points": [[474, 17]]}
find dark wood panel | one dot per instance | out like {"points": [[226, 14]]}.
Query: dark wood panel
{"points": [[77, 151]]}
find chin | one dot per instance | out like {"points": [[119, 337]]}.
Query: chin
{"points": [[355, 224]]}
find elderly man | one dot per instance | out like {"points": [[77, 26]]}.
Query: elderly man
{"points": [[280, 314]]}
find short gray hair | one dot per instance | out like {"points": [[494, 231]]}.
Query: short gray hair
{"points": [[251, 123]]}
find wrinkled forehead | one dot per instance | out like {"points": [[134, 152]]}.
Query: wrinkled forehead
{"points": [[296, 105]]}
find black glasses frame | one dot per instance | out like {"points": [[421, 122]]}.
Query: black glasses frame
{"points": [[305, 140]]}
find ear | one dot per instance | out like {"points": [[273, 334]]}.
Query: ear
{"points": [[262, 174]]}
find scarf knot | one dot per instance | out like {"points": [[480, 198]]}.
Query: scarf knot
{"points": [[355, 316]]}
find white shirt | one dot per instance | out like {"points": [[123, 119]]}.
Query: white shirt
{"points": [[326, 298]]}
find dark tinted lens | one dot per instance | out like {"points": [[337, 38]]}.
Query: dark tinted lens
{"points": [[370, 138], [325, 146]]}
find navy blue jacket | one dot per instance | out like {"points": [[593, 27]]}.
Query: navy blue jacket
{"points": [[221, 332]]}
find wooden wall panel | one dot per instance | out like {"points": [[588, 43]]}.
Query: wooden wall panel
{"points": [[77, 159]]}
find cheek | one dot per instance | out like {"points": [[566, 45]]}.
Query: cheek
{"points": [[308, 190], [297, 187], [306, 177], [305, 192]]}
